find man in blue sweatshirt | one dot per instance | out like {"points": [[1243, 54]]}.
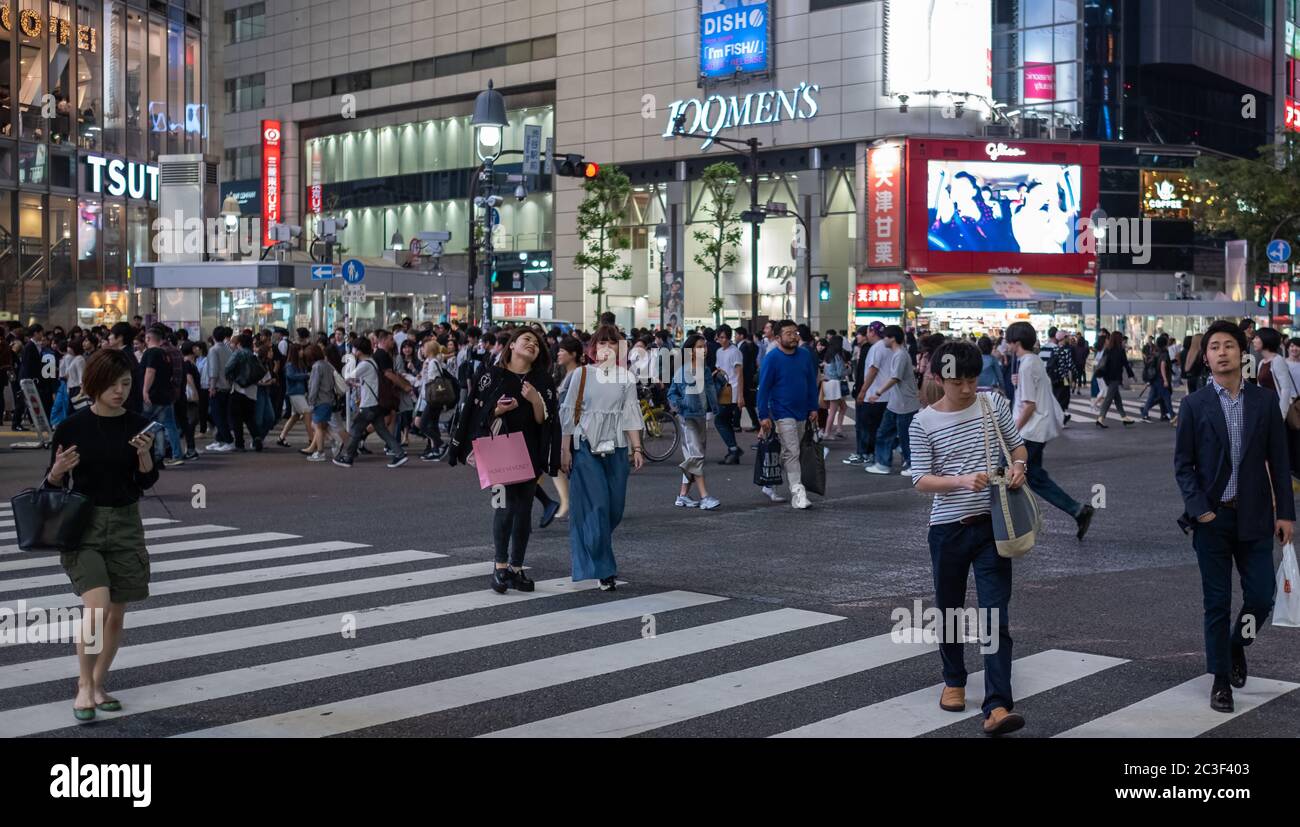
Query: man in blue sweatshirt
{"points": [[787, 395]]}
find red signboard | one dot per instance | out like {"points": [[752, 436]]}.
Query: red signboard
{"points": [[1293, 114], [1040, 81], [885, 208], [271, 178], [315, 202], [1000, 208], [877, 297]]}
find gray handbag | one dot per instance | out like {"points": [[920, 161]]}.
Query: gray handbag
{"points": [[1016, 518]]}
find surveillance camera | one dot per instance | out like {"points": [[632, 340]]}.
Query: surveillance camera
{"points": [[494, 200], [679, 123], [521, 192]]}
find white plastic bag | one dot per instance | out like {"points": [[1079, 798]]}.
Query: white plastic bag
{"points": [[1286, 603]]}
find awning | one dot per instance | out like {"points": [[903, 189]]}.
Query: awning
{"points": [[1001, 291]]}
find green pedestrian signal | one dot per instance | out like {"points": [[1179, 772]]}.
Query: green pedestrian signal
{"points": [[824, 292]]}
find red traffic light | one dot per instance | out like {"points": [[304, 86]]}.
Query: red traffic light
{"points": [[590, 170]]}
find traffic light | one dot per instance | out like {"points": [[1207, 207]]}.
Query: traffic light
{"points": [[1261, 295], [575, 166], [824, 292]]}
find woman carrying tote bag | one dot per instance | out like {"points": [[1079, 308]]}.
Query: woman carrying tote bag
{"points": [[515, 396], [101, 448], [601, 418]]}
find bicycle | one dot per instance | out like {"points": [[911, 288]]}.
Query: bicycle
{"points": [[661, 436]]}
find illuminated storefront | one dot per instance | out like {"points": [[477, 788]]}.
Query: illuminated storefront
{"points": [[91, 92]]}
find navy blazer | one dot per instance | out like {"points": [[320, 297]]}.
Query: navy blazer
{"points": [[1202, 464]]}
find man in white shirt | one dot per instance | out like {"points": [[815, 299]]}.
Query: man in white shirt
{"points": [[868, 415], [729, 362], [899, 393], [1039, 419]]}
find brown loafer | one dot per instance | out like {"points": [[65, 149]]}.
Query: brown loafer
{"points": [[953, 699], [1001, 722]]}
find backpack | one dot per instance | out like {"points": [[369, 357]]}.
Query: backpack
{"points": [[1149, 362], [1060, 365], [245, 369]]}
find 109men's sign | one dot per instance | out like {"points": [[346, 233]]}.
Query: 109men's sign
{"points": [[717, 112]]}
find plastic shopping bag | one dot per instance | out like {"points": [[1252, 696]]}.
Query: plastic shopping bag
{"points": [[1286, 603], [768, 471], [62, 408]]}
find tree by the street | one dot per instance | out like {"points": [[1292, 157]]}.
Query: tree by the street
{"points": [[718, 244], [1249, 198], [601, 219]]}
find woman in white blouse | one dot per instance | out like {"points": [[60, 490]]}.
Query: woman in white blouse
{"points": [[601, 421], [72, 366]]}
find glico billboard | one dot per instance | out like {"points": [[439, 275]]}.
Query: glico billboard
{"points": [[1000, 207]]}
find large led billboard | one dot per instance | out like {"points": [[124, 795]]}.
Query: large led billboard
{"points": [[735, 38], [939, 46], [998, 208]]}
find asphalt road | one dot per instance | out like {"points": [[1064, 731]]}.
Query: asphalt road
{"points": [[765, 620]]}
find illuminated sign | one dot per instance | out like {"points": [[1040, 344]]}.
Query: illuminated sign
{"points": [[939, 46], [195, 123], [1293, 39], [885, 207], [734, 38], [716, 113], [1165, 194], [32, 24], [877, 297], [996, 151], [515, 307], [1040, 82], [270, 178], [121, 178], [1293, 114], [315, 202]]}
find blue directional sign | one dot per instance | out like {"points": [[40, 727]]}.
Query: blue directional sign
{"points": [[1279, 251], [322, 272], [353, 271], [496, 216]]}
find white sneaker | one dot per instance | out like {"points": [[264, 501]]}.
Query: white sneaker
{"points": [[709, 503], [684, 501], [224, 447], [317, 456], [799, 497], [906, 470], [772, 495], [877, 468], [213, 446]]}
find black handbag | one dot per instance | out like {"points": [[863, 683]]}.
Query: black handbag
{"points": [[51, 519], [768, 471], [812, 461]]}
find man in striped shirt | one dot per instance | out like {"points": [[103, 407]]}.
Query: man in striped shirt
{"points": [[949, 460]]}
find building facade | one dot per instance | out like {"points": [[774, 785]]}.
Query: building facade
{"points": [[91, 93]]}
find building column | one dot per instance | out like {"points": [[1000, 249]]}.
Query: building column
{"points": [[807, 305]]}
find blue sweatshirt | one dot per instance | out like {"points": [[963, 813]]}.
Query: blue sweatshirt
{"points": [[787, 385]]}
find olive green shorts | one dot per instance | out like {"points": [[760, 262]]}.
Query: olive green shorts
{"points": [[112, 555]]}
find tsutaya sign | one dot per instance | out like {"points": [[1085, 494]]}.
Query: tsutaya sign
{"points": [[716, 112], [123, 178]]}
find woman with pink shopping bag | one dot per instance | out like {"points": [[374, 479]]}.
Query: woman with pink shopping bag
{"points": [[511, 423]]}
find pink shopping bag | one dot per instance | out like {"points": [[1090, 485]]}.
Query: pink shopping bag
{"points": [[502, 460]]}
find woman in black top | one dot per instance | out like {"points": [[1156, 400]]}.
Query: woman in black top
{"points": [[520, 394], [103, 453], [1114, 362]]}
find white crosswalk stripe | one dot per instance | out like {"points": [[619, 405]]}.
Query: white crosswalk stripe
{"points": [[13, 535], [38, 560], [600, 638]]}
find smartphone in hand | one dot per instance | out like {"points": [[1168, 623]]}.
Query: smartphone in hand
{"points": [[152, 429]]}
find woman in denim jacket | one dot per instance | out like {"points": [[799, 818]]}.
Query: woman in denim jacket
{"points": [[693, 397]]}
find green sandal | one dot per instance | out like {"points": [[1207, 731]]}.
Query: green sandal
{"points": [[84, 714], [111, 705]]}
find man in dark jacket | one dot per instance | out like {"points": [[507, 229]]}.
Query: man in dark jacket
{"points": [[1231, 463]]}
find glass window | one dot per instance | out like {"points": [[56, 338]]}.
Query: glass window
{"points": [[7, 252], [544, 47], [6, 164], [302, 91], [6, 92], [140, 218], [248, 92], [392, 75], [135, 105], [90, 225], [90, 93], [488, 58], [245, 23], [422, 69], [31, 164], [157, 92], [519, 52], [112, 246], [31, 69], [453, 64], [59, 28], [196, 112], [61, 238], [112, 45], [176, 87], [31, 235], [62, 167], [321, 88]]}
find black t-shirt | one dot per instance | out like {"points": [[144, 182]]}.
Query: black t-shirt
{"points": [[192, 371], [383, 361], [749, 357], [499, 382], [161, 391], [135, 399], [109, 472]]}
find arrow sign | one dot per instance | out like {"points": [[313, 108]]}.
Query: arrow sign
{"points": [[353, 271], [1279, 250], [322, 272]]}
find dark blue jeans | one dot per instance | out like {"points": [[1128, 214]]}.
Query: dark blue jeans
{"points": [[1043, 485], [1159, 393], [727, 421], [219, 409], [895, 429], [954, 550], [866, 421], [1217, 551]]}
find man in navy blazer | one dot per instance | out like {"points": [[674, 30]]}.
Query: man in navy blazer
{"points": [[1231, 463]]}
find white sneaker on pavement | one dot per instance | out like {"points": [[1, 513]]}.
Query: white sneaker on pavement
{"points": [[709, 503], [772, 495], [799, 497], [876, 468], [317, 456], [684, 501], [224, 447]]}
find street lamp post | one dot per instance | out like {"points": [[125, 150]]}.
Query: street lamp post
{"points": [[489, 122], [661, 242], [230, 212], [1098, 227]]}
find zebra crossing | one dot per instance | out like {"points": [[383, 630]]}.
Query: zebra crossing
{"points": [[243, 637], [1081, 408]]}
